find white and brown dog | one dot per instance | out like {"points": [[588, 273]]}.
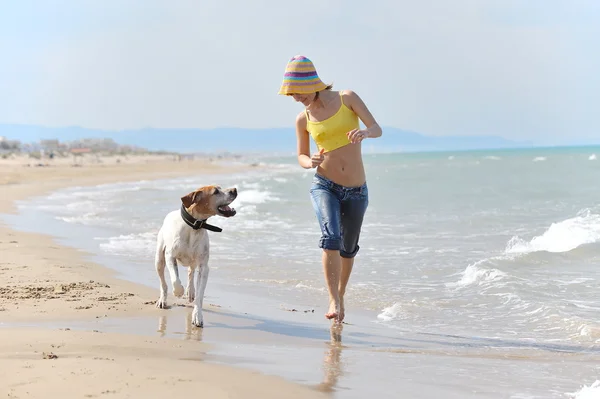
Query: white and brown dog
{"points": [[183, 239]]}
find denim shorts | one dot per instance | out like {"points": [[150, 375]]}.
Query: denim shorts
{"points": [[340, 211]]}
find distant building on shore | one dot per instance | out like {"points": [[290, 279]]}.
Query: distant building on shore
{"points": [[76, 147], [9, 145]]}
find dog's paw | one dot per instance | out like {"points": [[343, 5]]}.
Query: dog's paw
{"points": [[197, 319], [161, 303], [191, 295], [177, 289]]}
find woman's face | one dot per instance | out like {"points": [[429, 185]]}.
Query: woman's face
{"points": [[305, 99]]}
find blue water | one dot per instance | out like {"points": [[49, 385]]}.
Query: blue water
{"points": [[501, 245]]}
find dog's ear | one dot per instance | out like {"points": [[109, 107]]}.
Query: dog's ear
{"points": [[191, 198]]}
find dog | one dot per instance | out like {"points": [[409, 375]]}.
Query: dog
{"points": [[183, 239]]}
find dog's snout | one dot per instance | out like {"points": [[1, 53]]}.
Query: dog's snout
{"points": [[234, 192]]}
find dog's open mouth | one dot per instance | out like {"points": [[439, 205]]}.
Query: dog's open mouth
{"points": [[226, 210]]}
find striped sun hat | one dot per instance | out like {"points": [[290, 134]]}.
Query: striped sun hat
{"points": [[301, 77]]}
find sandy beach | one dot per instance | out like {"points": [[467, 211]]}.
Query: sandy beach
{"points": [[43, 281]]}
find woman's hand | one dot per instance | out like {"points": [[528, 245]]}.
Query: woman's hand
{"points": [[356, 135], [317, 158]]}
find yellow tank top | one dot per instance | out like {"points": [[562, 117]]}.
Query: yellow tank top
{"points": [[330, 133]]}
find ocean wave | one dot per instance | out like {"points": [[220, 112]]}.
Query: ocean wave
{"points": [[130, 245], [413, 309], [271, 281], [84, 205], [587, 392], [539, 159], [65, 195], [252, 224], [255, 197], [560, 237], [591, 332], [250, 185], [88, 219], [393, 312], [303, 286], [592, 157], [476, 274], [509, 298], [103, 190]]}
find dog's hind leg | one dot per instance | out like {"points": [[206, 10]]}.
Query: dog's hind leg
{"points": [[174, 273], [190, 291], [159, 262]]}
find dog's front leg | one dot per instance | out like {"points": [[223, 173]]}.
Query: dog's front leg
{"points": [[197, 318]]}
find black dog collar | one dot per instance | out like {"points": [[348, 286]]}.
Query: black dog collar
{"points": [[197, 224]]}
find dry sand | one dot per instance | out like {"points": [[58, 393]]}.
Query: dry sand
{"points": [[42, 280]]}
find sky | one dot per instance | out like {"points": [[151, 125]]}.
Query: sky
{"points": [[525, 70]]}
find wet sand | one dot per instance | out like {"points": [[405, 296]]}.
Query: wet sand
{"points": [[44, 282]]}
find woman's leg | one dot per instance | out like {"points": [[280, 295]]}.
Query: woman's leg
{"points": [[327, 208], [346, 269], [352, 213], [332, 263]]}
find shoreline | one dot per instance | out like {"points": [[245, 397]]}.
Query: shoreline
{"points": [[46, 282], [83, 278]]}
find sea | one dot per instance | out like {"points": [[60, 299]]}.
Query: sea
{"points": [[480, 270]]}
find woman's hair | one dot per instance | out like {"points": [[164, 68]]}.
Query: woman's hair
{"points": [[329, 87]]}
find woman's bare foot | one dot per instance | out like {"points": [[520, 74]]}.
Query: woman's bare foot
{"points": [[342, 312], [334, 309]]}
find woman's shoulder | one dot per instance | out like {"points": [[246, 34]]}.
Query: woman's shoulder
{"points": [[350, 99], [301, 116], [301, 119], [348, 94]]}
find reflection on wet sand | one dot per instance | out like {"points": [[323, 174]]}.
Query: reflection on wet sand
{"points": [[513, 367], [349, 354], [332, 364], [191, 332]]}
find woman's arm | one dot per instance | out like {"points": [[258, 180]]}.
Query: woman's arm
{"points": [[356, 104], [303, 143]]}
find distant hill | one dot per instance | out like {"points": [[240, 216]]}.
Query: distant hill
{"points": [[239, 140]]}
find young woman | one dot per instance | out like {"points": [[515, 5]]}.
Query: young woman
{"points": [[339, 190]]}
